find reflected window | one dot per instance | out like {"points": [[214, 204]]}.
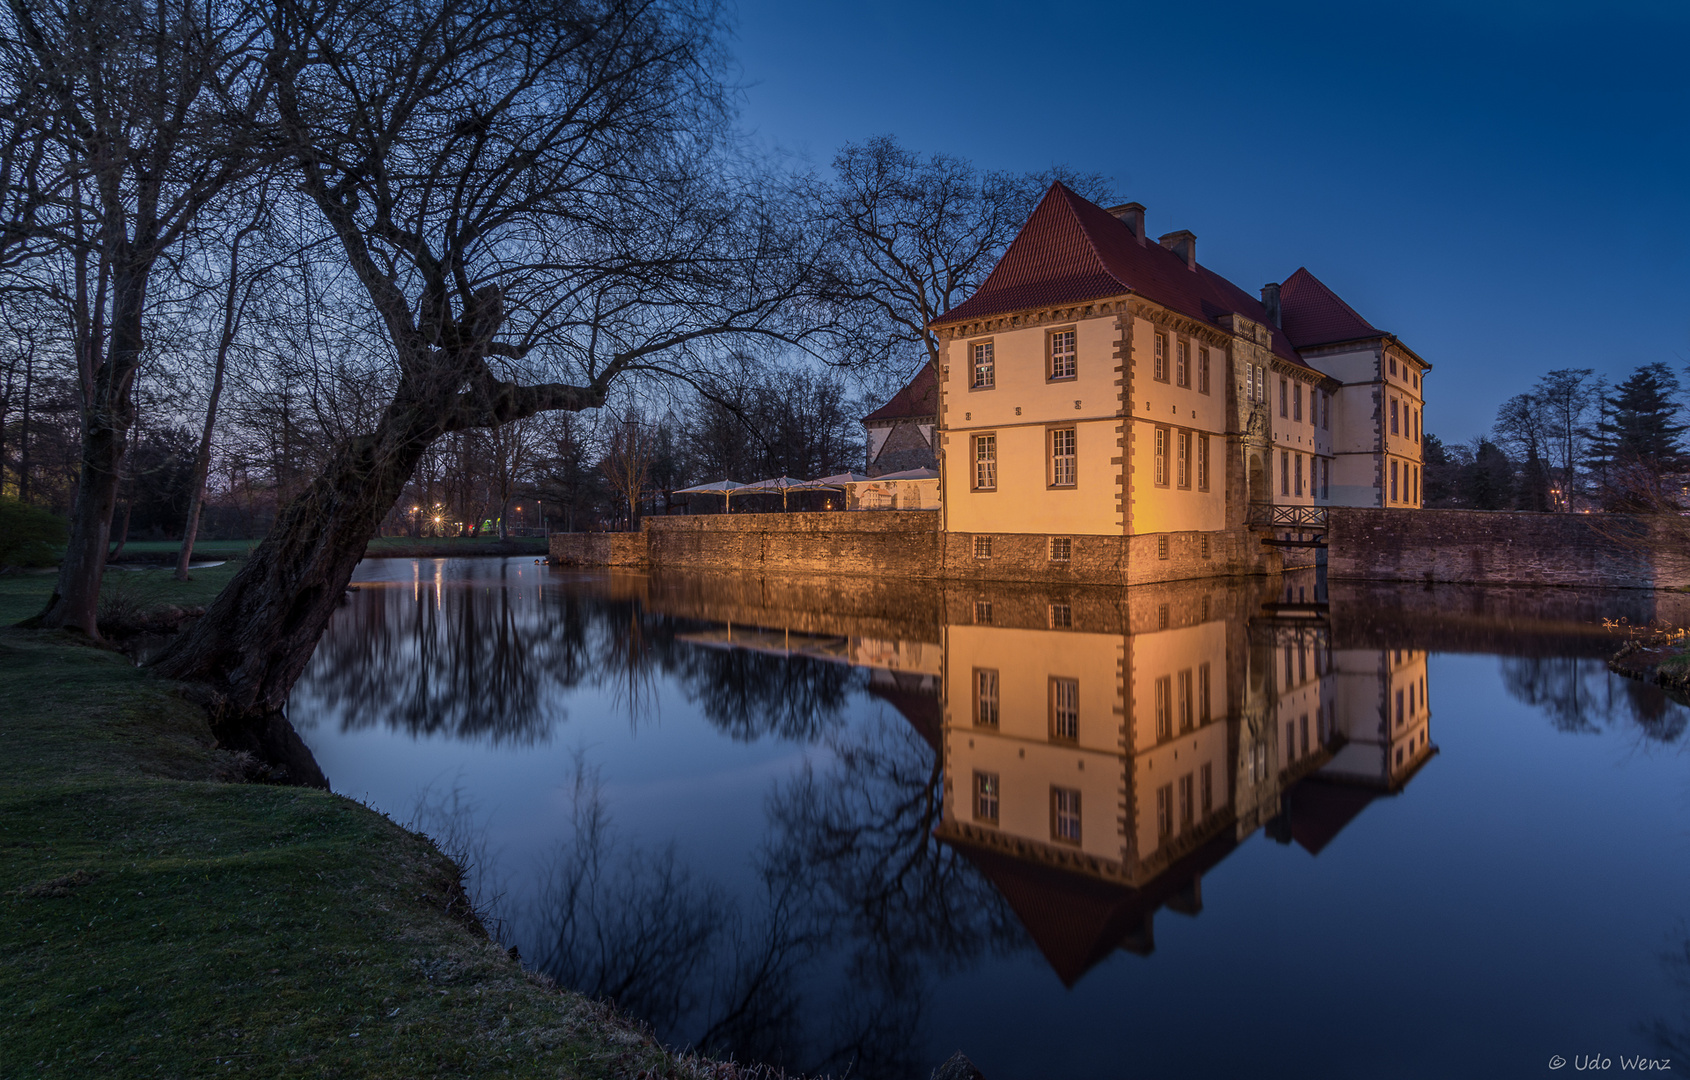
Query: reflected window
{"points": [[1399, 708], [1290, 741], [1065, 815], [1065, 709], [982, 547], [1184, 701], [1061, 549], [1186, 802], [1303, 735], [986, 796], [986, 697], [982, 611], [1205, 705], [1061, 616], [1164, 708], [1165, 811], [1162, 616], [1206, 788]]}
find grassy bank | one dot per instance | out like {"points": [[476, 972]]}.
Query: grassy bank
{"points": [[403, 547], [157, 918]]}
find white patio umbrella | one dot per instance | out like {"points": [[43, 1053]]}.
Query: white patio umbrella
{"points": [[724, 488], [840, 479], [784, 484]]}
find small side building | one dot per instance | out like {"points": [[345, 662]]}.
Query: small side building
{"points": [[900, 432]]}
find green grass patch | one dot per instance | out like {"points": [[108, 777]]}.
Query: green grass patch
{"points": [[25, 593], [156, 919], [204, 550]]}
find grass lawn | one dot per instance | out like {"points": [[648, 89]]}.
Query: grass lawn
{"points": [[158, 920], [203, 549], [25, 593]]}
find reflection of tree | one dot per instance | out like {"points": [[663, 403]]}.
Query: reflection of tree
{"points": [[750, 695], [1582, 695], [1674, 1036]]}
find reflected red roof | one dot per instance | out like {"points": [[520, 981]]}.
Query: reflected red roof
{"points": [[1313, 314], [1071, 250], [919, 398]]}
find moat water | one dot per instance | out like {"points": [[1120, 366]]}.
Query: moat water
{"points": [[1203, 829]]}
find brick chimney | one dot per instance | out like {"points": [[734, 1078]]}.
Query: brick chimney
{"points": [[1270, 300], [1183, 244], [1132, 216]]}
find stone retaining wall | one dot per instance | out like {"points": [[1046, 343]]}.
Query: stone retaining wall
{"points": [[1502, 548]]}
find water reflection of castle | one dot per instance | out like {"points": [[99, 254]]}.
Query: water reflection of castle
{"points": [[1099, 762], [1102, 750]]}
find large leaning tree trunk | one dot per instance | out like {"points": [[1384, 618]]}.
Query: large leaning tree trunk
{"points": [[151, 103], [534, 201]]}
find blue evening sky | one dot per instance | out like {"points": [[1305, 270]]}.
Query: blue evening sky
{"points": [[1502, 185]]}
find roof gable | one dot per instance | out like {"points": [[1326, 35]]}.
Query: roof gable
{"points": [[1071, 250], [918, 398], [1313, 314]]}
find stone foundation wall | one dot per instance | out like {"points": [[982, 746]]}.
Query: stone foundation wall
{"points": [[598, 549], [892, 542], [1501, 548]]}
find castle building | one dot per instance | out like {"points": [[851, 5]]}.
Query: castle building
{"points": [[1107, 400]]}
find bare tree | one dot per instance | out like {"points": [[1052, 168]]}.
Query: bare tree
{"points": [[921, 234], [627, 462], [1569, 398], [535, 202], [151, 105]]}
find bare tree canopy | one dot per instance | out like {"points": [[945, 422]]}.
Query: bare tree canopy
{"points": [[537, 198]]}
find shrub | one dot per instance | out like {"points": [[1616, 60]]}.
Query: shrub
{"points": [[29, 536]]}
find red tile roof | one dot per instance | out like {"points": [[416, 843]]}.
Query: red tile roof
{"points": [[1313, 314], [1072, 250], [919, 398]]}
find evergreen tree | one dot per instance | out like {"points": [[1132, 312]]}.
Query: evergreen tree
{"points": [[1637, 425], [1442, 475], [1488, 483]]}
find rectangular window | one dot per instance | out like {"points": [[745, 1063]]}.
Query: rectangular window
{"points": [[1161, 367], [982, 547], [982, 611], [1161, 547], [1261, 384], [1299, 476], [1165, 811], [1187, 804], [1325, 479], [1161, 457], [1203, 552], [1303, 733], [1162, 616], [1285, 472], [1065, 709], [1202, 371], [1061, 549], [1064, 815], [1062, 365], [1205, 703], [1290, 740], [1394, 416], [1182, 363], [1399, 709], [1284, 398], [1206, 788], [986, 797], [1393, 481], [1061, 616], [986, 697], [1185, 700], [1164, 708], [985, 367], [1183, 458], [1325, 411], [1415, 499], [985, 463], [1297, 402], [1062, 458], [1393, 365], [1250, 382]]}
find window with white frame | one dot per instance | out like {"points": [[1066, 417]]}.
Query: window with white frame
{"points": [[984, 366], [1205, 703], [982, 547], [982, 611], [1202, 462], [986, 697], [1182, 363], [1185, 699], [1061, 616], [986, 797], [1161, 360], [1182, 441], [1162, 457], [1062, 458], [985, 462], [1164, 708], [1202, 371], [1250, 382], [1297, 402], [1284, 398], [1064, 709], [1061, 549], [1261, 384], [1065, 815], [1062, 361]]}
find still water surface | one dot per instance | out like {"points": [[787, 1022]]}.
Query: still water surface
{"points": [[1174, 830]]}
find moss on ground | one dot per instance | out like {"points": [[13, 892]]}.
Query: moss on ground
{"points": [[157, 919]]}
